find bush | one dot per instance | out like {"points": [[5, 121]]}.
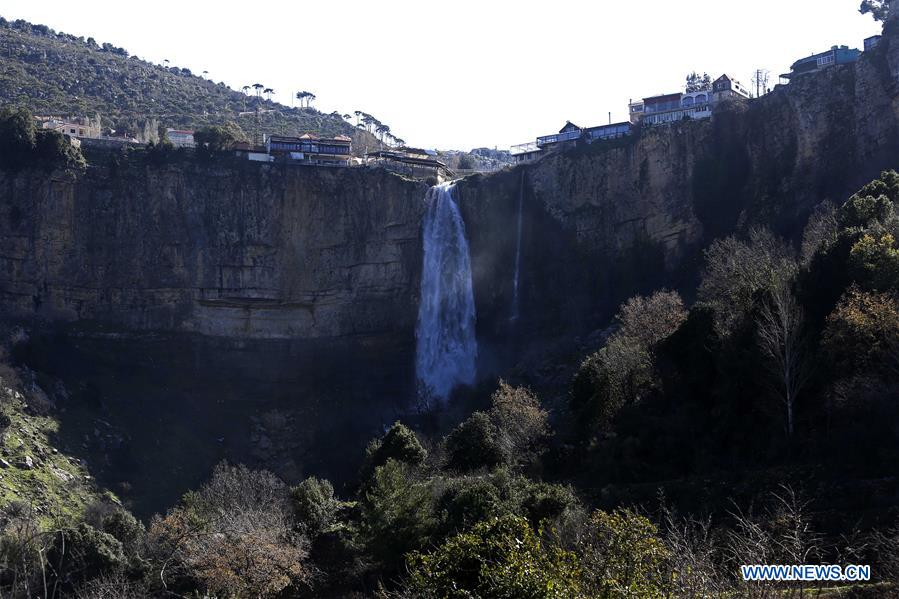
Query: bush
{"points": [[622, 556], [502, 557], [474, 444], [233, 537], [84, 553]]}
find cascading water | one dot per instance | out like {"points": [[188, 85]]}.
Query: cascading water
{"points": [[446, 348], [515, 301]]}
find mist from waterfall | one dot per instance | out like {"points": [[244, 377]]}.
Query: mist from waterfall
{"points": [[515, 300], [446, 346]]}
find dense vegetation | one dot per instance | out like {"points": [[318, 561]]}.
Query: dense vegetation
{"points": [[60, 74]]}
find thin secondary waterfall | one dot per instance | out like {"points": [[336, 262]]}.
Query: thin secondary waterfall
{"points": [[515, 300], [446, 348]]}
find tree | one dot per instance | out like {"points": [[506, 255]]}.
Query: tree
{"points": [[519, 419], [17, 137], [216, 138], [617, 375], [400, 443], [233, 537], [781, 337], [314, 504], [268, 93], [502, 557], [397, 514], [862, 333], [878, 9], [874, 261], [698, 83], [651, 319], [736, 271]]}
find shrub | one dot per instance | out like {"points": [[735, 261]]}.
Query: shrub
{"points": [[502, 557], [622, 556], [84, 553], [474, 444]]}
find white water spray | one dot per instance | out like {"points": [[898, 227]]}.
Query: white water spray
{"points": [[515, 300], [447, 349]]}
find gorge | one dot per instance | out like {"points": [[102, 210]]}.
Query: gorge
{"points": [[295, 292]]}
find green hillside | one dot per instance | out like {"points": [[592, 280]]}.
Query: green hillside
{"points": [[59, 74]]}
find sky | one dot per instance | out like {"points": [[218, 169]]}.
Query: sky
{"points": [[465, 73]]}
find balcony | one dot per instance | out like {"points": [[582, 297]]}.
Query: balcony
{"points": [[547, 140]]}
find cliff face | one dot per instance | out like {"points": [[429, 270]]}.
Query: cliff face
{"points": [[241, 250], [605, 221]]}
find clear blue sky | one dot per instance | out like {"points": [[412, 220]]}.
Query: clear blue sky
{"points": [[465, 73]]}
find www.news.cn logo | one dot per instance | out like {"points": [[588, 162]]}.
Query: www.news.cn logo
{"points": [[797, 573]]}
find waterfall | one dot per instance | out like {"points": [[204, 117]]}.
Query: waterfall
{"points": [[446, 346], [515, 300]]}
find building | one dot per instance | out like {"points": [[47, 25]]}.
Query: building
{"points": [[724, 88], [75, 127], [308, 149], [610, 131], [526, 152], [181, 138], [670, 108], [569, 133], [412, 162], [635, 110], [835, 56], [871, 42]]}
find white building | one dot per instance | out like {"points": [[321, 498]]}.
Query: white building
{"points": [[526, 152], [181, 138]]}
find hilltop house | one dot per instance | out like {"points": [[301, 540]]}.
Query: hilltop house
{"points": [[724, 88], [413, 162], [75, 127], [810, 64], [526, 152], [308, 149], [181, 138]]}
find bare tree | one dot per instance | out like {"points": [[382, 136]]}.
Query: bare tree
{"points": [[781, 337]]}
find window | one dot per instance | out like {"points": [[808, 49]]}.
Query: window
{"points": [[825, 60], [72, 131]]}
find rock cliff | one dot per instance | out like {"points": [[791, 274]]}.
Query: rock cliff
{"points": [[233, 250]]}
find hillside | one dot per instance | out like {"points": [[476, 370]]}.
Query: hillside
{"points": [[59, 74]]}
